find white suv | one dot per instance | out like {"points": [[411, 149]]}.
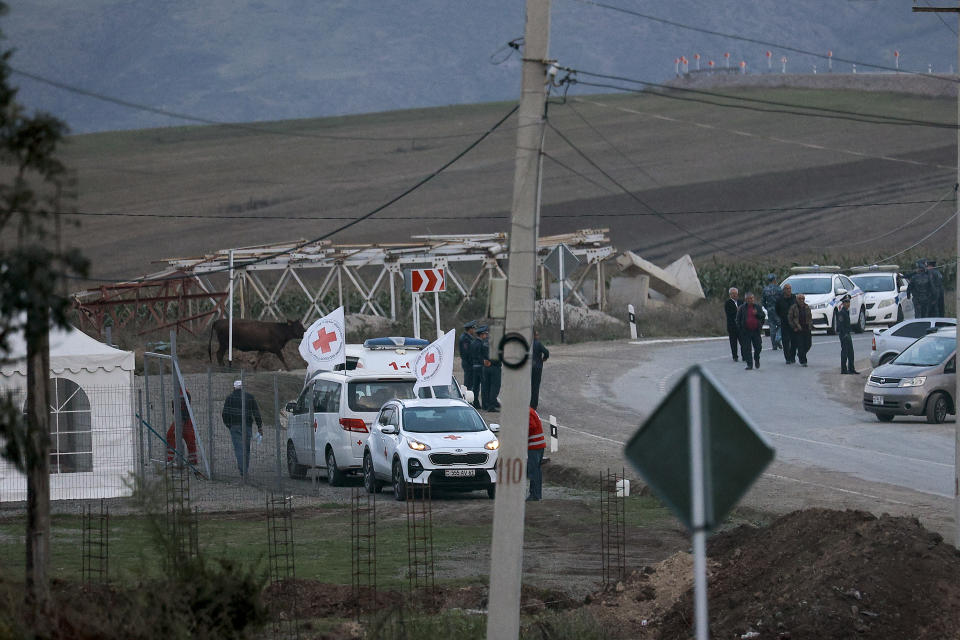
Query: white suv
{"points": [[443, 443], [885, 293], [330, 420]]}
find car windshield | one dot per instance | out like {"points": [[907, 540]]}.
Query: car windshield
{"points": [[442, 419], [449, 391], [370, 395], [874, 283], [810, 285], [927, 351]]}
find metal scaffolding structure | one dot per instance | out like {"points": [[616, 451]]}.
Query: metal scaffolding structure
{"points": [[328, 274]]}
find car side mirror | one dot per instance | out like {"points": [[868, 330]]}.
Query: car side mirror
{"points": [[951, 366], [388, 429], [903, 288], [468, 396], [494, 427], [841, 291], [291, 407]]}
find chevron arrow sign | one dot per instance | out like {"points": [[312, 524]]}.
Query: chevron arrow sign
{"points": [[424, 280]]}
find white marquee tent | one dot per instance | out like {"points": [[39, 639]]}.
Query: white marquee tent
{"points": [[91, 417]]}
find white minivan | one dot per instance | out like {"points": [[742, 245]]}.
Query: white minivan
{"points": [[330, 420]]}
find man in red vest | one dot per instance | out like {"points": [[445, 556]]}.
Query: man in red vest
{"points": [[536, 443]]}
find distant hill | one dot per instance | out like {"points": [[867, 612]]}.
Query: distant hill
{"points": [[250, 60]]}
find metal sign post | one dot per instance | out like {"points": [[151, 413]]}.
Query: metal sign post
{"points": [[436, 313], [698, 491], [230, 315], [561, 262]]}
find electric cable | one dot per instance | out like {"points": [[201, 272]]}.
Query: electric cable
{"points": [[634, 196], [613, 146], [917, 243], [343, 227], [177, 115], [764, 43]]}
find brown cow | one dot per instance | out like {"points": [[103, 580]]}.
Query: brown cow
{"points": [[254, 335]]}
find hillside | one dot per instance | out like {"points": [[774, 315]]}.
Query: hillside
{"points": [[249, 60], [731, 181]]}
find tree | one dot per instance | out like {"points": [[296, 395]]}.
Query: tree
{"points": [[33, 268]]}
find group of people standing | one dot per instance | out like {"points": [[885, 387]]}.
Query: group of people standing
{"points": [[790, 321], [926, 290], [482, 375]]}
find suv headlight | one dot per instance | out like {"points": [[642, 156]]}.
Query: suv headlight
{"points": [[493, 445], [819, 305], [885, 303], [416, 445], [913, 382]]}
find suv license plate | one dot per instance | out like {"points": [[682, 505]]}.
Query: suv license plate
{"points": [[878, 400], [460, 473]]}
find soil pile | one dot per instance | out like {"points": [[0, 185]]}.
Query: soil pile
{"points": [[828, 574]]}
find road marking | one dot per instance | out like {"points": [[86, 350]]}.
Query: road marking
{"points": [[857, 449], [675, 340], [779, 477]]}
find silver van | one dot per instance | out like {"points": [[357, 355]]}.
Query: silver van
{"points": [[918, 382]]}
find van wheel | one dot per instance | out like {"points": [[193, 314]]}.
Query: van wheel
{"points": [[334, 476], [294, 468], [861, 321], [832, 329], [369, 477], [492, 491], [399, 483], [937, 407], [885, 417]]}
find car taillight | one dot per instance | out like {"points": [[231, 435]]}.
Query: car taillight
{"points": [[353, 424]]}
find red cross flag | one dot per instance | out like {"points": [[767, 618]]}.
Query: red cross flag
{"points": [[324, 344], [434, 365]]}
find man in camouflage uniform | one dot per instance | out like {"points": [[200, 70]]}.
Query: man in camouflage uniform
{"points": [[768, 298], [936, 280], [921, 291]]}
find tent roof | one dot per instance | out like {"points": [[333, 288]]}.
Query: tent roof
{"points": [[71, 350]]}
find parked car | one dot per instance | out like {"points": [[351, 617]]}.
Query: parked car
{"points": [[330, 420], [885, 293], [823, 288], [888, 343], [442, 443], [918, 382]]}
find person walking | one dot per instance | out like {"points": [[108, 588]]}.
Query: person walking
{"points": [[540, 354], [920, 290], [788, 340], [937, 291], [730, 309], [769, 297], [240, 411], [476, 365], [750, 318], [466, 339], [536, 444], [846, 340], [801, 321]]}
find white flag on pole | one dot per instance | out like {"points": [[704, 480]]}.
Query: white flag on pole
{"points": [[324, 344], [434, 365]]}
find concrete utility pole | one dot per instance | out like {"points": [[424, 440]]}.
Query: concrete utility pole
{"points": [[956, 437], [506, 556]]}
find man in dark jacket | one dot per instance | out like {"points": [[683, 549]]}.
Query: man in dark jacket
{"points": [[801, 321], [476, 365], [846, 340], [466, 339], [540, 353], [936, 282], [240, 411], [491, 372], [920, 290], [750, 317], [787, 337], [769, 297], [730, 308]]}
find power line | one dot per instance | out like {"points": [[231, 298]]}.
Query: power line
{"points": [[776, 103], [765, 43], [352, 222], [640, 200], [918, 242], [817, 112], [177, 115], [613, 146]]}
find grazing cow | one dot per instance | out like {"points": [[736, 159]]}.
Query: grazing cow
{"points": [[254, 335]]}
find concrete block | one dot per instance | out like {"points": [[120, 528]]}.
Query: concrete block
{"points": [[625, 290], [678, 283]]}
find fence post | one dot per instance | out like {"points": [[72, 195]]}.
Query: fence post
{"points": [[143, 478], [163, 408], [146, 392], [243, 431], [210, 425], [276, 427]]}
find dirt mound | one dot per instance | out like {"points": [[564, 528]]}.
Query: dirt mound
{"points": [[828, 574]]}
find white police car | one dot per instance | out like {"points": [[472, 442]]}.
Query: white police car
{"points": [[823, 289], [885, 293], [443, 443]]}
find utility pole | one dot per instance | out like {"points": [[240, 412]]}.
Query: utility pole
{"points": [[37, 333], [506, 556], [956, 431]]}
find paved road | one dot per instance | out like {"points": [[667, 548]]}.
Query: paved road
{"points": [[829, 451]]}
